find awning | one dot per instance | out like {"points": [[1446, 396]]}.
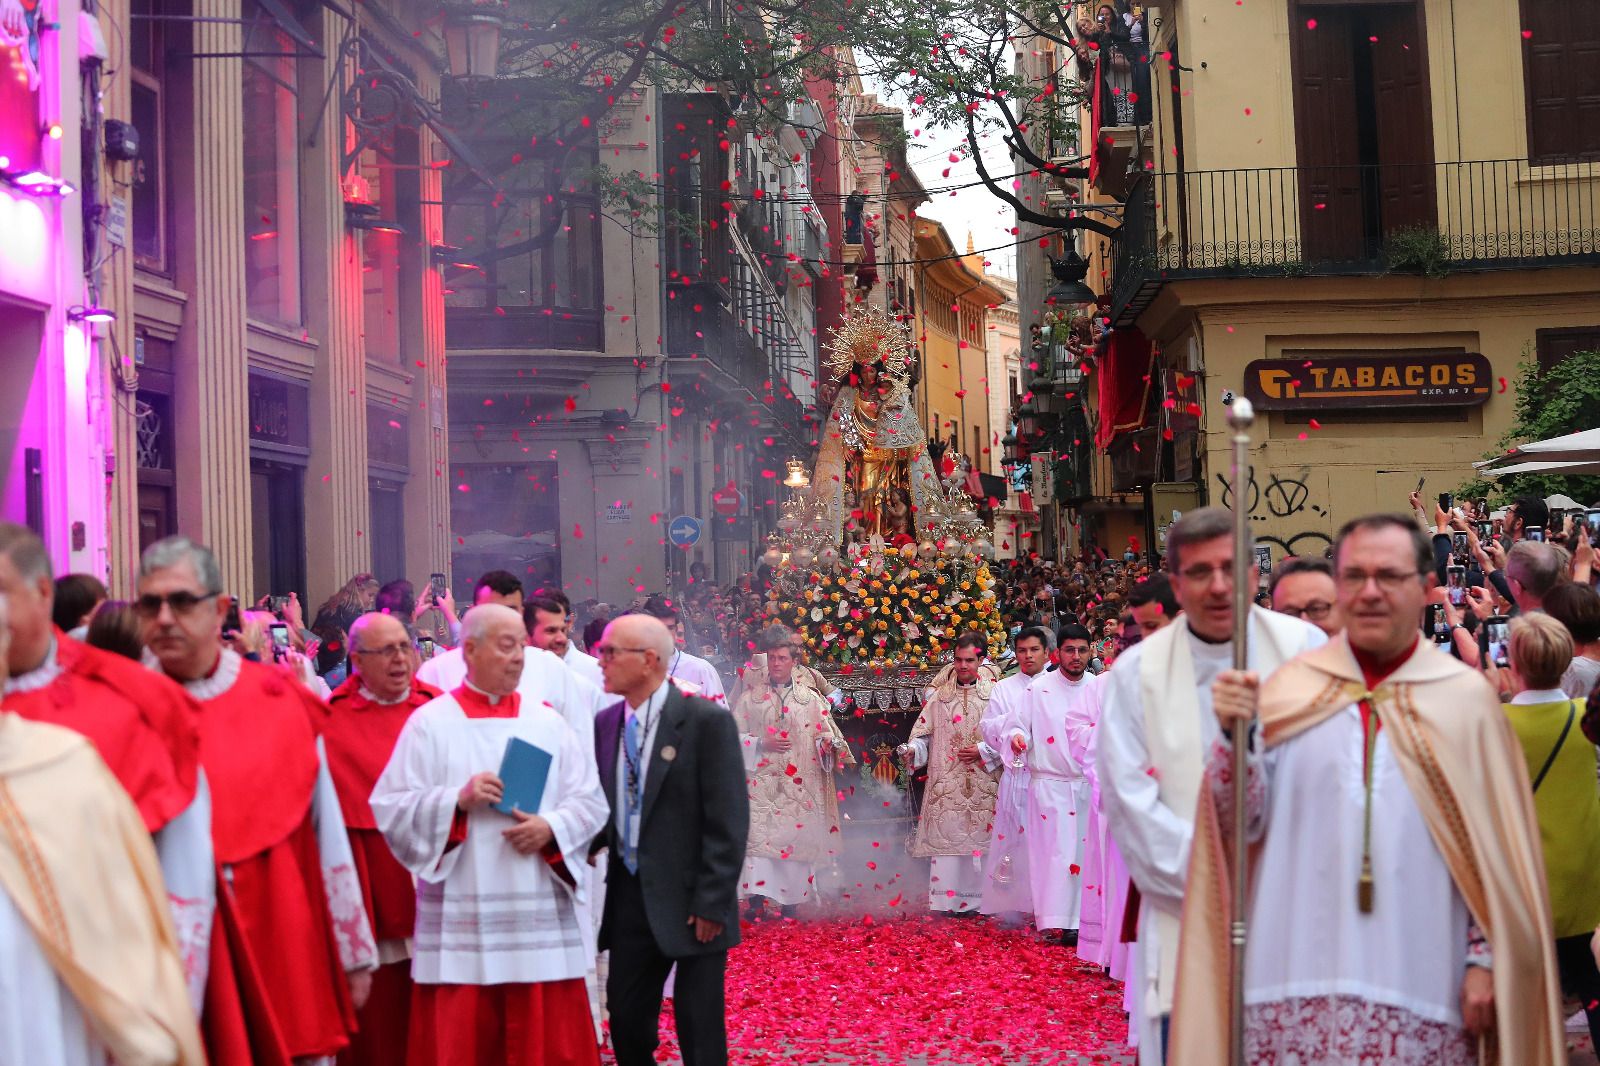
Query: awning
{"points": [[1591, 466], [1580, 447], [994, 487]]}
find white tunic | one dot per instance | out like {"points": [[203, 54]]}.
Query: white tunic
{"points": [[1007, 889], [486, 915], [1395, 970], [701, 674], [1058, 795], [585, 666], [545, 680], [1152, 839], [40, 1021]]}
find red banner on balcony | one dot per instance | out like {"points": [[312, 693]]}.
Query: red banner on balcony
{"points": [[1125, 373]]}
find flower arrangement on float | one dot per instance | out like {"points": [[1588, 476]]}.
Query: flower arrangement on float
{"points": [[884, 606]]}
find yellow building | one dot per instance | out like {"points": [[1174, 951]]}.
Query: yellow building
{"points": [[953, 299], [1325, 212]]}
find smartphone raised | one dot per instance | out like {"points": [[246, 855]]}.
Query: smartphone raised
{"points": [[1497, 639], [280, 639], [1485, 530], [1446, 501], [425, 647], [1592, 516], [1433, 619], [1458, 543], [1533, 533], [437, 582], [1456, 584], [232, 624]]}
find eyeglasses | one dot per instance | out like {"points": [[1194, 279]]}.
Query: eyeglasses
{"points": [[1205, 574], [1353, 581], [182, 602], [388, 651], [607, 652], [1316, 610]]}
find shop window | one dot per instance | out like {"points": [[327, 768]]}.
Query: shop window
{"points": [[271, 171], [147, 47], [507, 516], [1561, 70]]}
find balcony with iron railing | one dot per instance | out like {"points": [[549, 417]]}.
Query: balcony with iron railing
{"points": [[1431, 219]]}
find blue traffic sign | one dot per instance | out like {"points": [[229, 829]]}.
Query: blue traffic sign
{"points": [[684, 531]]}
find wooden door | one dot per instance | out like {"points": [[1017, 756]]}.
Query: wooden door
{"points": [[1327, 134], [1403, 116]]}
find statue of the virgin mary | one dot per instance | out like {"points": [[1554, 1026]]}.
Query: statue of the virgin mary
{"points": [[873, 464]]}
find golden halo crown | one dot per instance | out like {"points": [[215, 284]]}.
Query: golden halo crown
{"points": [[871, 335]]}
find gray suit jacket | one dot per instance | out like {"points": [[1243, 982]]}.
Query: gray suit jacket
{"points": [[694, 822]]}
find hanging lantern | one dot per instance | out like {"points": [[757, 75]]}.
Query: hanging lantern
{"points": [[1028, 425], [797, 478], [472, 39]]}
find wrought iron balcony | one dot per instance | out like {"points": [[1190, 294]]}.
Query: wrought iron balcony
{"points": [[1432, 219]]}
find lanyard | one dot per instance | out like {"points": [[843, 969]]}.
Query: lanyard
{"points": [[645, 720]]}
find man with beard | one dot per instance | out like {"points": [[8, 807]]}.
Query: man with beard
{"points": [[958, 803]]}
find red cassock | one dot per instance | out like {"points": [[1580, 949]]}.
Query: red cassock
{"points": [[359, 737], [145, 727], [277, 990]]}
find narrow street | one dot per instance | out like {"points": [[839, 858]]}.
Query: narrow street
{"points": [[914, 991]]}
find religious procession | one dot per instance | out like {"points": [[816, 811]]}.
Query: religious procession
{"points": [[840, 533]]}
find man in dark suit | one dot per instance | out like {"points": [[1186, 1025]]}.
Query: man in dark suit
{"points": [[673, 768]]}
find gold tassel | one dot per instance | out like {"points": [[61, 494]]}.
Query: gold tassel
{"points": [[1364, 887]]}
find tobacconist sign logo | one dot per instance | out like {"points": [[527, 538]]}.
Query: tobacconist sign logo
{"points": [[1326, 380]]}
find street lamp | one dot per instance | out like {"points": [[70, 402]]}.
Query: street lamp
{"points": [[1069, 272], [472, 38], [1009, 455], [1028, 427]]}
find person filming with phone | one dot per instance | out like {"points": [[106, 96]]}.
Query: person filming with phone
{"points": [[1561, 770]]}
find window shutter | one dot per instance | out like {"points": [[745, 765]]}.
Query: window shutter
{"points": [[1554, 345], [1561, 70]]}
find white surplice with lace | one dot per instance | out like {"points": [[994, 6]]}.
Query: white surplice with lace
{"points": [[1324, 982]]}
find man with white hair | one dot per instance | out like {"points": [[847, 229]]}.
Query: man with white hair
{"points": [[292, 951], [545, 678], [500, 950]]}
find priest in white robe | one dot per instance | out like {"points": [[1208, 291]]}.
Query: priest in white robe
{"points": [[501, 952], [1058, 791], [958, 804], [1006, 887], [791, 747], [1397, 910], [1156, 729]]}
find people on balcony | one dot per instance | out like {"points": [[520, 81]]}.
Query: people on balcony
{"points": [[1114, 60]]}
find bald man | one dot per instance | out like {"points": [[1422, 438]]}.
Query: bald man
{"points": [[513, 878], [673, 769], [368, 711]]}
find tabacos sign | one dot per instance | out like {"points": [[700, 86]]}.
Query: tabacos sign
{"points": [[1377, 379]]}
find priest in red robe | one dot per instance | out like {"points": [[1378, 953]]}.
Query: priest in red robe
{"points": [[368, 711], [144, 727], [292, 952]]}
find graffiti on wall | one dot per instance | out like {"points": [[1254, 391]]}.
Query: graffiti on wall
{"points": [[1284, 507]]}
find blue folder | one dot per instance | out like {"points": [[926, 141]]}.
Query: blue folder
{"points": [[523, 771]]}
